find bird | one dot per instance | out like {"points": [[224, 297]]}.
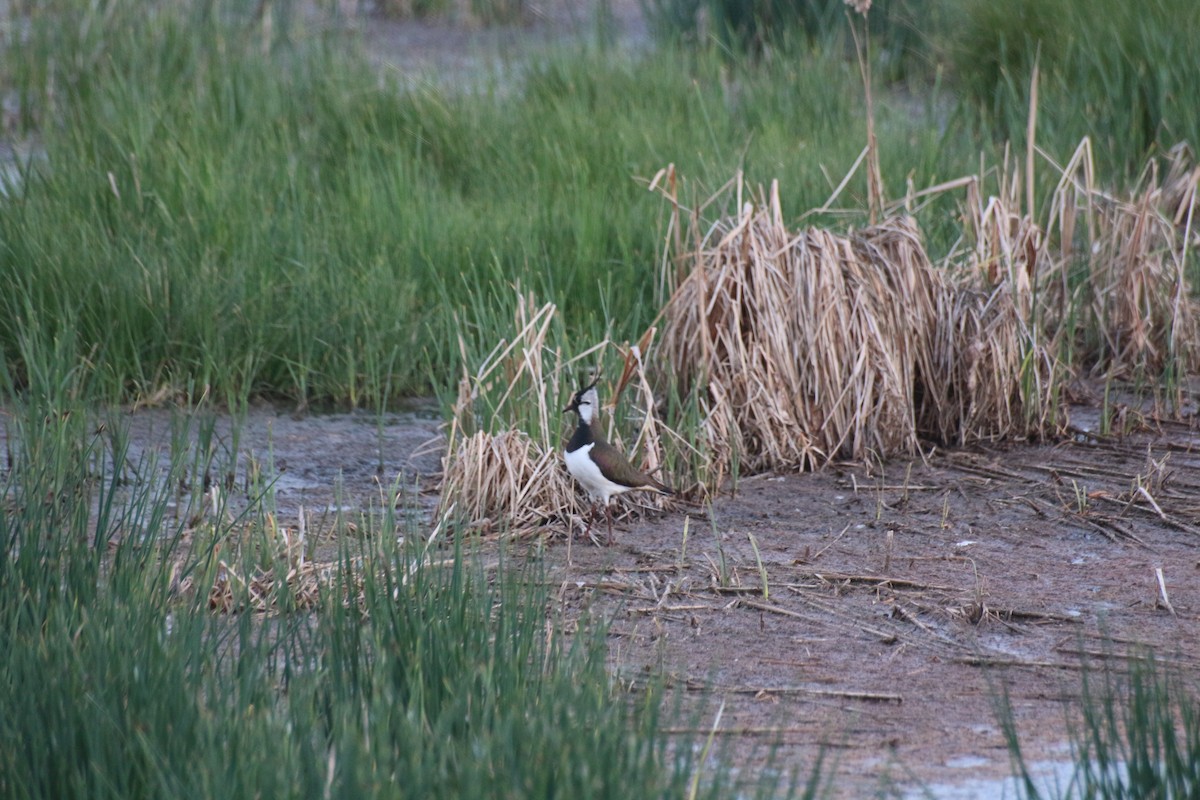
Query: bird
{"points": [[601, 469]]}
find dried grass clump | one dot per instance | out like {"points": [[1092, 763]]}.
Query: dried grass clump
{"points": [[989, 377], [1140, 302], [507, 479], [1178, 196], [1108, 273], [234, 591], [1140, 299], [812, 345], [503, 468], [239, 584]]}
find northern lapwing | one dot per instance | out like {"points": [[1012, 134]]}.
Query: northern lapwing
{"points": [[601, 469]]}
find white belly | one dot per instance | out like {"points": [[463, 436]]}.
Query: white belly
{"points": [[584, 470]]}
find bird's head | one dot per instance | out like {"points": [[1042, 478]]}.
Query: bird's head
{"points": [[585, 402]]}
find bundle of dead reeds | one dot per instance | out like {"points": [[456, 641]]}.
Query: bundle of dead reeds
{"points": [[290, 581], [503, 468], [990, 377], [1139, 298], [1108, 272], [506, 480], [812, 345]]}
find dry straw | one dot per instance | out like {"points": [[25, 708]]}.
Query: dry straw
{"points": [[1105, 278], [503, 468], [805, 345], [239, 584], [1138, 296], [258, 590], [810, 345]]}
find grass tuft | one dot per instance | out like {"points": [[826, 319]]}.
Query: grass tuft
{"points": [[398, 665], [1135, 733]]}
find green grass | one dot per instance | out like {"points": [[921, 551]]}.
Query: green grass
{"points": [[1119, 72], [284, 224], [434, 680], [1135, 734]]}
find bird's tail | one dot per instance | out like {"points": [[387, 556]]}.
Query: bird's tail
{"points": [[659, 486]]}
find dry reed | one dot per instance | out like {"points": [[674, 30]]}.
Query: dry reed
{"points": [[288, 581], [258, 590], [1106, 279], [503, 468], [808, 346], [802, 346]]}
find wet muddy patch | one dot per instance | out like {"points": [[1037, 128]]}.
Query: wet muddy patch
{"points": [[876, 611], [882, 612]]}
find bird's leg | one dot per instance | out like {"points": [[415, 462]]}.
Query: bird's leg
{"points": [[608, 515], [591, 515]]}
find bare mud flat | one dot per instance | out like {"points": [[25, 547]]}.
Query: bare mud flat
{"points": [[900, 598], [316, 463]]}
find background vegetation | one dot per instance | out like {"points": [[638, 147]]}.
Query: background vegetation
{"points": [[205, 209]]}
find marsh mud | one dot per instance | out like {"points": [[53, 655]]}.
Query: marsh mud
{"points": [[319, 465], [881, 612], [877, 612], [265, 458]]}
